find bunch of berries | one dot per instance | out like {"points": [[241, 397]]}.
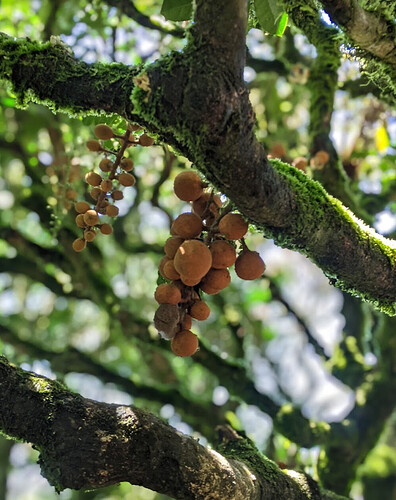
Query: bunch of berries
{"points": [[105, 187], [202, 247]]}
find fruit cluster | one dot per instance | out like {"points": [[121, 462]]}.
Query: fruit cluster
{"points": [[202, 247], [106, 186]]}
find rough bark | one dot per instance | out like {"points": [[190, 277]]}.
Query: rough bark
{"points": [[85, 444]]}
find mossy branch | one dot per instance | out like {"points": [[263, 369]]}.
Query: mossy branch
{"points": [[85, 444]]}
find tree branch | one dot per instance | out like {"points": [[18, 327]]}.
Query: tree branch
{"points": [[87, 444]]}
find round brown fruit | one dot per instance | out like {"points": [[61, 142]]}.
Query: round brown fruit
{"points": [[79, 244], [199, 206], [93, 178], [106, 185], [188, 186], [112, 211], [188, 281], [249, 265], [161, 265], [103, 132], [126, 164], [93, 145], [146, 140], [233, 226], [200, 310], [117, 195], [192, 259], [80, 220], [223, 254], [171, 246], [126, 179], [89, 235], [170, 272], [106, 229], [167, 294], [91, 217], [184, 343], [105, 165], [187, 322], [81, 207], [95, 192], [187, 226], [215, 281]]}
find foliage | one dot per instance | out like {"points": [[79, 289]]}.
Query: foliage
{"points": [[304, 369]]}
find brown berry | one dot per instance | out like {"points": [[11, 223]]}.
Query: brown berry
{"points": [[167, 294], [126, 164], [103, 132], [171, 246], [223, 254], [71, 194], [80, 220], [81, 207], [192, 259], [95, 192], [200, 310], [93, 178], [106, 185], [188, 186], [91, 217], [187, 226], [170, 272], [105, 165], [215, 281], [126, 179], [93, 145], [117, 195], [184, 343], [89, 235], [161, 265], [249, 265], [233, 226], [146, 140], [79, 244], [112, 211], [190, 281], [187, 322], [106, 229]]}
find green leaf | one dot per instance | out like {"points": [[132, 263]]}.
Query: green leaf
{"points": [[282, 25], [177, 10], [268, 13]]}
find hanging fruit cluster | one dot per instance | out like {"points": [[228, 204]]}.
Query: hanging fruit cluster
{"points": [[202, 247], [105, 188]]}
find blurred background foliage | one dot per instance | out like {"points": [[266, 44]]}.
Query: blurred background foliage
{"points": [[87, 318]]}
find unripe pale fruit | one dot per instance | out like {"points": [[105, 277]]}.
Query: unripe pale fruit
{"points": [[80, 220], [187, 226], [170, 272], [91, 217], [93, 145], [192, 259], [184, 343], [117, 195], [93, 178], [215, 281], [200, 205], [171, 246], [223, 254], [106, 229], [167, 294], [79, 244], [89, 235], [200, 310], [188, 186], [103, 132], [126, 164], [249, 265], [81, 207], [145, 140], [233, 226], [126, 179], [112, 211], [105, 165]]}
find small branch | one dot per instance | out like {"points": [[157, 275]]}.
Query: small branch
{"points": [[128, 8]]}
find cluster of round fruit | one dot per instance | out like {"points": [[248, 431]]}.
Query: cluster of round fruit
{"points": [[202, 247], [105, 187]]}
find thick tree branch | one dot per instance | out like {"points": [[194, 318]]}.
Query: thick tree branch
{"points": [[86, 444]]}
